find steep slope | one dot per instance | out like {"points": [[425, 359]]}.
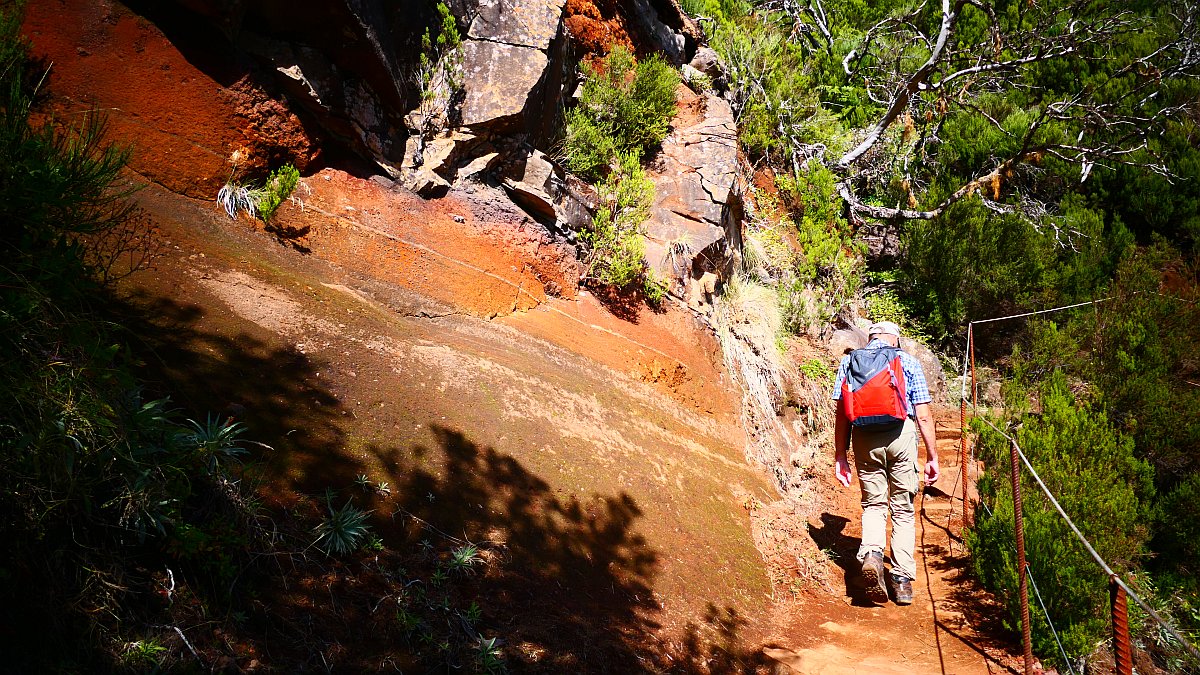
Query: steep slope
{"points": [[620, 511], [593, 447]]}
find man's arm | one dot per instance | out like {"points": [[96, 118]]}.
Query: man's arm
{"points": [[841, 443], [929, 436]]}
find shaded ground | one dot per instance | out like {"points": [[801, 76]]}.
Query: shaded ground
{"points": [[616, 514]]}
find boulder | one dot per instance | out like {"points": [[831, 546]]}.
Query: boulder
{"points": [[695, 222], [444, 158], [499, 80], [667, 26], [531, 184], [708, 62], [540, 187], [517, 22]]}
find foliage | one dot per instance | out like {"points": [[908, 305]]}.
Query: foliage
{"points": [[818, 371], [235, 196], [974, 263], [95, 477], [625, 109], [1091, 467], [617, 255], [279, 187], [344, 531], [826, 274], [439, 76], [885, 305], [258, 202]]}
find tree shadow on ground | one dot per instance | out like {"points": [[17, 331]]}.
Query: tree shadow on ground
{"points": [[831, 536], [274, 390], [572, 586], [988, 635], [569, 581]]}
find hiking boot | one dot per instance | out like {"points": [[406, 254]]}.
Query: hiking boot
{"points": [[872, 575], [903, 590]]}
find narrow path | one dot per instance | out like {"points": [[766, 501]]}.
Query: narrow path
{"points": [[951, 628]]}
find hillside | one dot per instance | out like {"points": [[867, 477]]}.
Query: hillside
{"points": [[540, 334]]}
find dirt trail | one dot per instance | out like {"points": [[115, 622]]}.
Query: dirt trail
{"points": [[951, 627]]}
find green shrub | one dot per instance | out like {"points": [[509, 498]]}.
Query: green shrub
{"points": [[817, 371], [344, 531], [278, 188], [1091, 468], [617, 254], [439, 73], [260, 202], [625, 107]]}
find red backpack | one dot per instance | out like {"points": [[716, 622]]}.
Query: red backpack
{"points": [[874, 391]]}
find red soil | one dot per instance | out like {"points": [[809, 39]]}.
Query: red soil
{"points": [[596, 26]]}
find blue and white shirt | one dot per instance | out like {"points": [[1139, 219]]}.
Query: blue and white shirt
{"points": [[914, 378]]}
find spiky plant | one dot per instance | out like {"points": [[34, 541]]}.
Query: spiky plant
{"points": [[463, 558], [345, 529], [234, 197], [217, 440]]}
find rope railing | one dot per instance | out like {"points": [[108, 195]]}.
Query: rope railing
{"points": [[1113, 576], [1119, 589]]}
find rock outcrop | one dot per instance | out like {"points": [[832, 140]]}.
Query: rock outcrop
{"points": [[514, 75], [695, 226]]}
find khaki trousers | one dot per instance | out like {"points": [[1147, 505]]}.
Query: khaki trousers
{"points": [[886, 461]]}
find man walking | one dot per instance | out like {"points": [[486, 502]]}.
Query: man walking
{"points": [[881, 394]]}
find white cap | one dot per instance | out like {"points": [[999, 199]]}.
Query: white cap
{"points": [[883, 328]]}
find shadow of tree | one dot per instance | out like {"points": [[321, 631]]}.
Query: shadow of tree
{"points": [[569, 584], [275, 391], [831, 536]]}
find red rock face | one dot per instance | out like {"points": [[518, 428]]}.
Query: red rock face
{"points": [[596, 26], [182, 122]]}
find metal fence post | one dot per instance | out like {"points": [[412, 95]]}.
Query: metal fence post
{"points": [[962, 461], [1122, 651], [1022, 566], [962, 425]]}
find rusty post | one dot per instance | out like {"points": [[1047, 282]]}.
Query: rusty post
{"points": [[971, 349], [962, 425], [962, 458], [1122, 651], [1022, 566]]}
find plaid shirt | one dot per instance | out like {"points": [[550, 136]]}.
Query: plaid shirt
{"points": [[914, 378]]}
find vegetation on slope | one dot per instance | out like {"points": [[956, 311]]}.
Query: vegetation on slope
{"points": [[1021, 155], [625, 110], [126, 524]]}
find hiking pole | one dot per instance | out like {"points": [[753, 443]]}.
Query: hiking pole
{"points": [[1022, 566]]}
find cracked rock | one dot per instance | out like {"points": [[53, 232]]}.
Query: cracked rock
{"points": [[517, 22], [694, 228]]}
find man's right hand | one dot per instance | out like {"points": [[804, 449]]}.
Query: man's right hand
{"points": [[841, 470]]}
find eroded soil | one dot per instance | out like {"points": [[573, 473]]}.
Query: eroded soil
{"points": [[620, 511]]}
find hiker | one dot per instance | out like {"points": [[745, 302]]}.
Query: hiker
{"points": [[885, 422]]}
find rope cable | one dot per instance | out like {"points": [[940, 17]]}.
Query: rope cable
{"points": [[1091, 550], [1040, 311], [1050, 623]]}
